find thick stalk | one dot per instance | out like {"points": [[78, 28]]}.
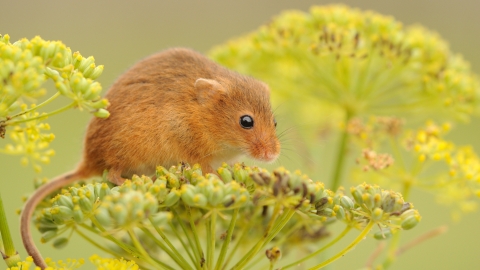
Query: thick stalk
{"points": [[344, 251], [11, 256], [314, 254], [341, 153]]}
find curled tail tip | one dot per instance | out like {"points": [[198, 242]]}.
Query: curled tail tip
{"points": [[29, 209]]}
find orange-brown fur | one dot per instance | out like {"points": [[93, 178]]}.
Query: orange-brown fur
{"points": [[173, 106]]}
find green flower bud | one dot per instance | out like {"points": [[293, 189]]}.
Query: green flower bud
{"points": [[96, 72], [199, 200], [61, 212], [409, 213], [52, 73], [104, 190], [46, 225], [103, 103], [119, 214], [85, 204], [161, 219], [49, 235], [102, 113], [64, 201], [102, 216], [377, 214], [77, 214], [346, 202], [384, 234], [368, 200], [229, 200], [88, 70], [327, 212], [239, 174], [357, 195], [225, 174], [410, 222], [85, 63], [60, 242], [377, 200], [62, 88], [172, 197], [340, 212]]}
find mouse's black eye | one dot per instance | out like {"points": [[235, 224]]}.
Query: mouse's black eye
{"points": [[275, 122], [246, 121]]}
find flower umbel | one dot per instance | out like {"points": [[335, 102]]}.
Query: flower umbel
{"points": [[363, 62], [247, 207], [24, 67]]}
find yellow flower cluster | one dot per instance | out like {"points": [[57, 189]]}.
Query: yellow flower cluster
{"points": [[428, 144], [362, 62], [31, 142], [69, 264], [113, 264], [454, 178], [24, 67]]}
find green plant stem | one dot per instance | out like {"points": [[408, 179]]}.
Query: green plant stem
{"points": [[341, 153], [94, 243], [196, 263], [38, 106], [11, 123], [255, 262], [211, 239], [260, 243], [237, 244], [170, 245], [195, 234], [314, 254], [11, 256], [269, 234], [126, 247], [142, 251], [344, 251], [392, 251], [227, 240], [172, 252]]}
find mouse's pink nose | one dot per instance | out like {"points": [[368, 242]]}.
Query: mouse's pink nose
{"points": [[269, 156]]}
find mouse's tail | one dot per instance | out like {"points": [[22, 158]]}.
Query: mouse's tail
{"points": [[29, 208]]}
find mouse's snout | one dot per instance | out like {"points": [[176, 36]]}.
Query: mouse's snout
{"points": [[265, 149]]}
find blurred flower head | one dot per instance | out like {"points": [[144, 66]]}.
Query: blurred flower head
{"points": [[359, 61]]}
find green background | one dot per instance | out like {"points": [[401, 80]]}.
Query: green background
{"points": [[118, 33]]}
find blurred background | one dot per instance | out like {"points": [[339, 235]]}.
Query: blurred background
{"points": [[119, 33]]}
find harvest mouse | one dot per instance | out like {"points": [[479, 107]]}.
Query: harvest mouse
{"points": [[176, 105]]}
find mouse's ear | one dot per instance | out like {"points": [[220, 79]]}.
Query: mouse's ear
{"points": [[265, 88], [207, 88]]}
